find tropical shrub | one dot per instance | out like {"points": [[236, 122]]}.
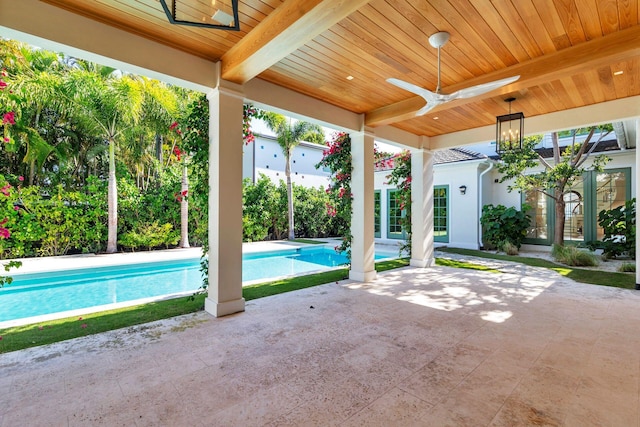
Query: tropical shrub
{"points": [[150, 236], [264, 205], [509, 248], [627, 267], [260, 203], [574, 256], [311, 207], [53, 221], [502, 225], [619, 225], [24, 233]]}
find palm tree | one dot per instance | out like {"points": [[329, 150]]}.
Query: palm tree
{"points": [[39, 85], [289, 135], [112, 105], [35, 78]]}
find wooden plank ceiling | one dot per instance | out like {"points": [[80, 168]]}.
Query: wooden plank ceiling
{"points": [[569, 53]]}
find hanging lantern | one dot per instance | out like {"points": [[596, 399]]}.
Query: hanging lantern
{"points": [[215, 14], [509, 130]]}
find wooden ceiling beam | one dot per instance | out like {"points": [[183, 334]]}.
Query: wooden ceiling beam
{"points": [[290, 26], [589, 55]]}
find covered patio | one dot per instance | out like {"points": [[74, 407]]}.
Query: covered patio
{"points": [[436, 347], [419, 346]]}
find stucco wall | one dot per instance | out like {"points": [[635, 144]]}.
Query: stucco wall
{"points": [[264, 156], [464, 212]]}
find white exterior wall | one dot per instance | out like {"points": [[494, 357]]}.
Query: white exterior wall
{"points": [[248, 168], [264, 156], [498, 194], [464, 210]]}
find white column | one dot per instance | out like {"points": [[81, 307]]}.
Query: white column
{"points": [[422, 208], [225, 200], [362, 218], [637, 172]]}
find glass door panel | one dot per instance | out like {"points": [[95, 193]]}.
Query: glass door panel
{"points": [[574, 212], [611, 192]]}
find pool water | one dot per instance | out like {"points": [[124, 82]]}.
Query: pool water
{"points": [[41, 294], [292, 261]]}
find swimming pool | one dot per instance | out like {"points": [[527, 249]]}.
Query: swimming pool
{"points": [[292, 261], [94, 289]]}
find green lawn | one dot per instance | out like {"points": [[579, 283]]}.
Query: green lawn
{"points": [[594, 277], [309, 241]]}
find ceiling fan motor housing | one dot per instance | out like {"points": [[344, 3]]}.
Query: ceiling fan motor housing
{"points": [[438, 40]]}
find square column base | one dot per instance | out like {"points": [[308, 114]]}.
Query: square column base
{"points": [[219, 309], [422, 263], [366, 276]]}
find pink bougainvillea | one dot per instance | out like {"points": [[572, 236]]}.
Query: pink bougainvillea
{"points": [[9, 118], [249, 112], [337, 158], [4, 232]]}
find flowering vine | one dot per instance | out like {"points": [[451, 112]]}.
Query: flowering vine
{"points": [[400, 177], [8, 117], [338, 159], [249, 112], [7, 193]]}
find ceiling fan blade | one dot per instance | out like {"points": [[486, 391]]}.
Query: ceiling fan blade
{"points": [[472, 91], [410, 87], [424, 110]]}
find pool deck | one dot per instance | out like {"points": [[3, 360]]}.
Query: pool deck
{"points": [[60, 263], [416, 347]]}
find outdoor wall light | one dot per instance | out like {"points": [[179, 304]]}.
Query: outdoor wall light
{"points": [[463, 189], [216, 14]]}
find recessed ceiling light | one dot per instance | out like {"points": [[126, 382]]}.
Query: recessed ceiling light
{"points": [[436, 118], [349, 77], [617, 73]]}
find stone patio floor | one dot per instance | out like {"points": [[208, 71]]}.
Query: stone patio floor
{"points": [[417, 347]]}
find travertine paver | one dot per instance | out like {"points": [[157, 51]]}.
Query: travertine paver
{"points": [[417, 347]]}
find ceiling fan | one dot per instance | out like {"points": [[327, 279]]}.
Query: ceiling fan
{"points": [[436, 98]]}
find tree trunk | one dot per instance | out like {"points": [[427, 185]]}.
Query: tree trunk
{"points": [[287, 172], [160, 159], [112, 199], [558, 235], [32, 171], [184, 208]]}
